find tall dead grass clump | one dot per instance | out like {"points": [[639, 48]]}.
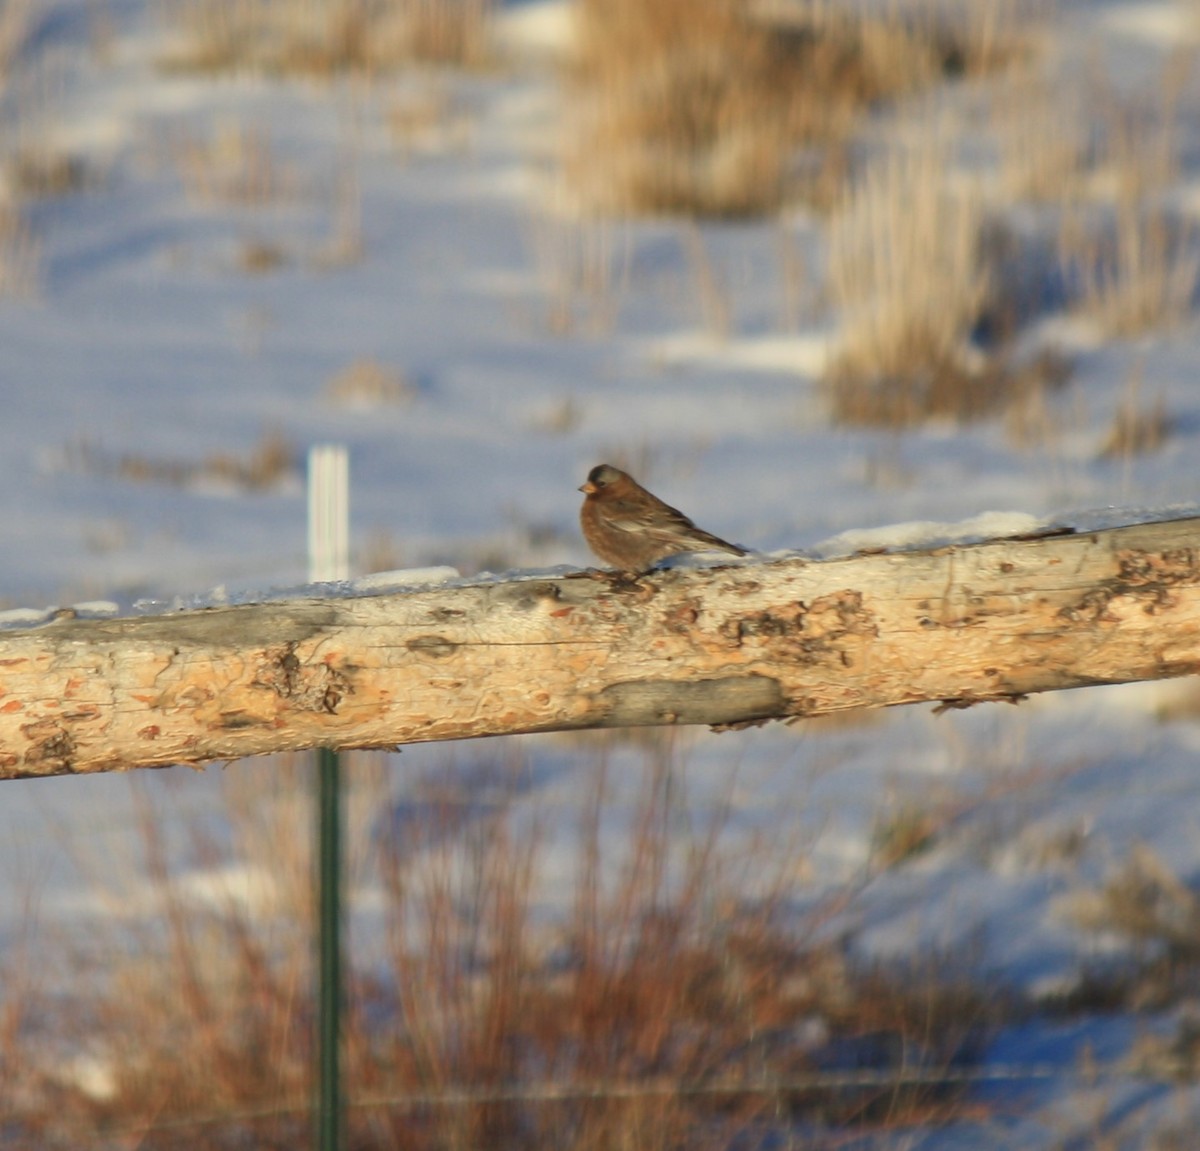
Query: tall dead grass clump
{"points": [[1136, 269], [1133, 264], [189, 992], [907, 270], [323, 37], [672, 1003], [1132, 259], [1043, 139], [1139, 426], [1156, 915], [20, 252], [724, 108], [677, 999], [16, 21]]}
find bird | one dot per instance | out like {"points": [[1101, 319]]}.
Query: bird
{"points": [[632, 529]]}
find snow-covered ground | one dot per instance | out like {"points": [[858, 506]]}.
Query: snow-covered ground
{"points": [[523, 347]]}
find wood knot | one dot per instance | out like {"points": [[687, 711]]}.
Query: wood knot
{"points": [[306, 686], [435, 646], [51, 749]]}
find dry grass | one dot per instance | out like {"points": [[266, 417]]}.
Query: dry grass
{"points": [[675, 1002], [428, 117], [907, 271], [718, 108], [1138, 427], [271, 461], [37, 172], [932, 293], [1042, 134], [1131, 259], [1135, 268], [16, 21], [904, 834], [260, 257], [324, 37], [584, 265], [447, 32], [20, 254], [234, 165], [1144, 903], [23, 162], [366, 383]]}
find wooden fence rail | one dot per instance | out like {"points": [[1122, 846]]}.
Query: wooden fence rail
{"points": [[721, 646]]}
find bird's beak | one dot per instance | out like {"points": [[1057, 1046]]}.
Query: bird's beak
{"points": [[589, 487]]}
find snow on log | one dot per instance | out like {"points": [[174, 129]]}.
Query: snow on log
{"points": [[721, 646]]}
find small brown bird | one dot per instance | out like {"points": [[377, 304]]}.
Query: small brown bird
{"points": [[631, 529]]}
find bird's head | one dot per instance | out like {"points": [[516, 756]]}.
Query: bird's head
{"points": [[601, 477]]}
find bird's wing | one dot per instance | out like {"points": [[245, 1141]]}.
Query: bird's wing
{"points": [[701, 540], [642, 517], [664, 524]]}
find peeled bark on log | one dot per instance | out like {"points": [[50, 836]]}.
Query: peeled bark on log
{"points": [[720, 646]]}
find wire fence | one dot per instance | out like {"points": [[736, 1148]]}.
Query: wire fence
{"points": [[1083, 1073]]}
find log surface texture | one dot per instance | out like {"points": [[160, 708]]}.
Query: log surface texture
{"points": [[719, 646]]}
